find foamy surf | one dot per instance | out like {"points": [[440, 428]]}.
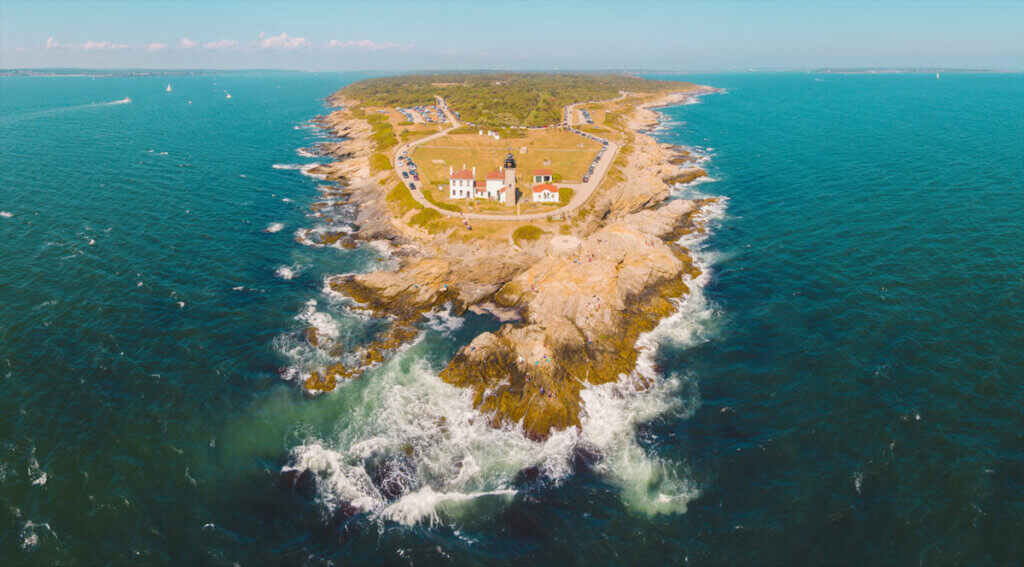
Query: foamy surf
{"points": [[414, 446], [284, 272], [303, 168], [274, 227]]}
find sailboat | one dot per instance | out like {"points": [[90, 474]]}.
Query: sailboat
{"points": [[936, 75], [229, 95], [168, 87]]}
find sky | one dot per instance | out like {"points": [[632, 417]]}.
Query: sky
{"points": [[399, 36]]}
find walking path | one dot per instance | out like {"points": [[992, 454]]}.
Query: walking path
{"points": [[581, 191]]}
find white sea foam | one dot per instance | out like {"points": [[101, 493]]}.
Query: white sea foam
{"points": [[306, 171], [439, 450], [29, 537], [274, 227], [443, 320], [305, 153], [35, 473], [292, 166], [285, 272], [323, 322], [6, 214]]}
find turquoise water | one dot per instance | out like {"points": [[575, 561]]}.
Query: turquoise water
{"points": [[848, 387]]}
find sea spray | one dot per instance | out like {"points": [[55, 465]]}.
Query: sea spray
{"points": [[411, 432]]}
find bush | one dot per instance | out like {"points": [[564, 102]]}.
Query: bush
{"points": [[565, 195], [402, 198], [383, 134], [556, 177], [379, 162], [527, 233], [424, 217]]}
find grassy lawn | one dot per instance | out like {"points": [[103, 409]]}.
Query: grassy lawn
{"points": [[564, 153]]}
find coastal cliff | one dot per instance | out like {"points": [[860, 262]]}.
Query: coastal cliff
{"points": [[573, 302]]}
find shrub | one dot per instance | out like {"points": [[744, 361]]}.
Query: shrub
{"points": [[425, 218], [527, 233], [556, 177], [379, 162], [565, 195]]}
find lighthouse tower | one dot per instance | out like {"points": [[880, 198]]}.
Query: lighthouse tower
{"points": [[510, 177]]}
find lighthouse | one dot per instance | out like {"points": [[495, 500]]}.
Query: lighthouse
{"points": [[510, 177]]}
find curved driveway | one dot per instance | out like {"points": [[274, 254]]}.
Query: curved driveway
{"points": [[582, 191]]}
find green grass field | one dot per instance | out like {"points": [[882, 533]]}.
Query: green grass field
{"points": [[564, 153], [503, 99]]}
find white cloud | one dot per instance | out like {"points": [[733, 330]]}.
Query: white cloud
{"points": [[450, 52], [366, 45], [103, 45], [222, 44], [88, 45], [283, 41], [156, 47], [187, 43]]}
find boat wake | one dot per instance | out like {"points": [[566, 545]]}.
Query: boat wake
{"points": [[61, 110]]}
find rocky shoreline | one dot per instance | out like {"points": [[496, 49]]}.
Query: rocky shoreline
{"points": [[572, 305]]}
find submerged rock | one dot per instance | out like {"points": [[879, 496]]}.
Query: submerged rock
{"points": [[686, 176]]}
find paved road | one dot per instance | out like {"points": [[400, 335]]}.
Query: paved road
{"points": [[581, 191]]}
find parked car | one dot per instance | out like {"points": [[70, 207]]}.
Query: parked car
{"points": [[412, 186], [405, 174], [416, 176]]}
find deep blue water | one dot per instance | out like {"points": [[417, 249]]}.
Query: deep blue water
{"points": [[848, 387]]}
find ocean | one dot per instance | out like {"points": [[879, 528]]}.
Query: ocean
{"points": [[844, 386]]}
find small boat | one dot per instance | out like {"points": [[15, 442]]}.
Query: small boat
{"points": [[124, 100], [168, 87], [229, 95], [936, 75]]}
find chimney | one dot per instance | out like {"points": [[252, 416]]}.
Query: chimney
{"points": [[451, 170], [474, 172]]}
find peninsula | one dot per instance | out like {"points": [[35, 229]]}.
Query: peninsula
{"points": [[536, 198]]}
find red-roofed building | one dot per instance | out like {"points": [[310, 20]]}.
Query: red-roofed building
{"points": [[543, 176], [545, 193], [494, 186], [460, 183]]}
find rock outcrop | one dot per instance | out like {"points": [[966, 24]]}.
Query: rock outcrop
{"points": [[572, 305]]}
